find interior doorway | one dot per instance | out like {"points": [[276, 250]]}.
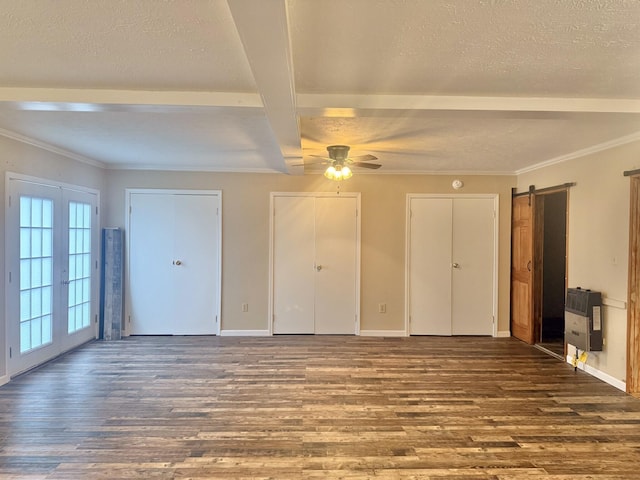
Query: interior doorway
{"points": [[551, 213]]}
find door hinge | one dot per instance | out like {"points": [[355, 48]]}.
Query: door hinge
{"points": [[10, 352], [9, 200], [96, 210], [216, 319], [96, 264], [130, 209], [9, 277], [129, 318], [96, 318]]}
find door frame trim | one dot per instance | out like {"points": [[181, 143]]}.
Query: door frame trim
{"points": [[272, 197], [496, 237], [126, 327], [633, 291]]}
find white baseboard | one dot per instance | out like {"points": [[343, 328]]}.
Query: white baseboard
{"points": [[605, 377], [244, 333], [4, 379], [383, 333], [503, 334]]}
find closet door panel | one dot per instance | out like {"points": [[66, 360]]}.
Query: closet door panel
{"points": [[293, 261], [473, 255], [335, 279], [430, 266]]}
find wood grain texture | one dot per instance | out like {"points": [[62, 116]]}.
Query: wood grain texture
{"points": [[522, 309], [310, 407]]}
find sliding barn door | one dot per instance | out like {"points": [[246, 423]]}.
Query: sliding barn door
{"points": [[522, 325], [451, 265], [315, 264]]}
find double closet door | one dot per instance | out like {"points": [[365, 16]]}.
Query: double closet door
{"points": [[52, 262], [315, 264], [174, 262], [451, 265]]}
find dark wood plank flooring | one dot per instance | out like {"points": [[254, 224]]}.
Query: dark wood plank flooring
{"points": [[305, 407]]}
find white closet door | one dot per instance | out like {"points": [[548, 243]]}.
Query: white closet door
{"points": [[451, 265], [293, 264], [315, 264], [150, 269], [336, 249], [473, 252], [174, 262], [196, 248], [430, 266]]}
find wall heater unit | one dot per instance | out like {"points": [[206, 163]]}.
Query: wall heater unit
{"points": [[583, 319]]}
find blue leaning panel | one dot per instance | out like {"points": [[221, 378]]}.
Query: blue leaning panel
{"points": [[111, 301]]}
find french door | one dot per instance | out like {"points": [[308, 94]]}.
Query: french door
{"points": [[52, 262]]}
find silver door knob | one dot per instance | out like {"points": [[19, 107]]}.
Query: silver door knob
{"points": [[177, 262], [319, 267], [455, 265]]}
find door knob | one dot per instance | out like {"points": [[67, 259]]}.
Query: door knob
{"points": [[177, 262], [455, 265], [319, 267]]}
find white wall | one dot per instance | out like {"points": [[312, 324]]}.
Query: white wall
{"points": [[245, 235], [598, 237]]}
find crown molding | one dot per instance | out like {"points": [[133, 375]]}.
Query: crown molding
{"points": [[50, 148]]}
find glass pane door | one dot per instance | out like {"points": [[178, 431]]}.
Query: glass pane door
{"points": [[79, 283], [52, 263], [36, 272]]}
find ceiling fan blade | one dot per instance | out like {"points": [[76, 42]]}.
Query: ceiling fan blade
{"points": [[316, 161], [363, 158], [324, 157], [372, 166]]}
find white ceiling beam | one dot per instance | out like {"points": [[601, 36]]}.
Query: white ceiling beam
{"points": [[67, 99], [344, 105], [263, 27]]}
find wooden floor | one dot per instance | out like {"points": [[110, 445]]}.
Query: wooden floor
{"points": [[304, 407]]}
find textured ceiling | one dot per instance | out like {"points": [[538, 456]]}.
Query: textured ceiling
{"points": [[489, 86]]}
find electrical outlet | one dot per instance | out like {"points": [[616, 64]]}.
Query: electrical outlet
{"points": [[382, 308], [245, 307]]}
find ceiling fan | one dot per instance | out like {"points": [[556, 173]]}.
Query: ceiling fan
{"points": [[340, 162]]}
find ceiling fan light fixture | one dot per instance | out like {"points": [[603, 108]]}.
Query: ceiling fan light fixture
{"points": [[338, 172], [330, 172]]}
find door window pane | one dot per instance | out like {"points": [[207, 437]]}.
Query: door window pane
{"points": [[36, 272], [79, 266]]}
